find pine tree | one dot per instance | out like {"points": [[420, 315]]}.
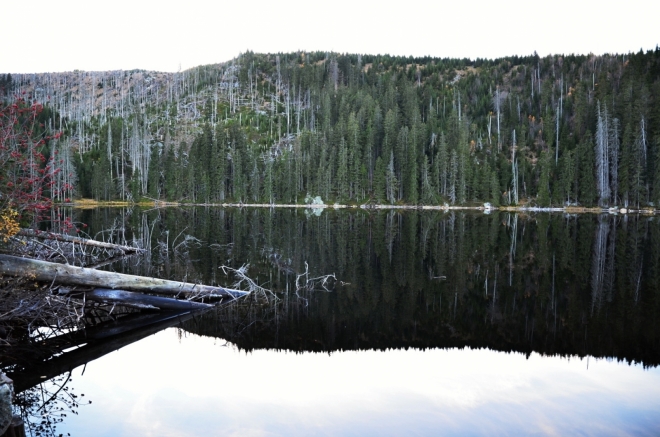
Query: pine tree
{"points": [[101, 190], [155, 173], [390, 133], [452, 177], [639, 165], [355, 161], [400, 155], [218, 166], [342, 171], [567, 177], [391, 181], [428, 192], [255, 173], [464, 168], [626, 165], [441, 164], [238, 184], [614, 147], [238, 153], [586, 165], [268, 193], [171, 171], [545, 163], [602, 155], [656, 176], [495, 191], [379, 184]]}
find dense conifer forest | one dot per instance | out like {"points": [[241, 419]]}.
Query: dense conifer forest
{"points": [[357, 129]]}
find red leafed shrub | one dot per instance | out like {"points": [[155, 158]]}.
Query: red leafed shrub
{"points": [[26, 176]]}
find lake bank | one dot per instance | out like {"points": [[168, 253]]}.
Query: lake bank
{"points": [[89, 203]]}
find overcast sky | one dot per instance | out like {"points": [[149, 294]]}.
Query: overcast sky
{"points": [[62, 35]]}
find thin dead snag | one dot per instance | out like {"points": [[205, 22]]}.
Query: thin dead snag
{"points": [[242, 278], [303, 283], [310, 284]]}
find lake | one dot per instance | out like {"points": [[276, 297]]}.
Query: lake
{"points": [[438, 323]]}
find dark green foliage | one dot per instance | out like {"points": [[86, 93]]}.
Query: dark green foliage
{"points": [[379, 182], [586, 181], [155, 186], [543, 196], [352, 129], [6, 84], [172, 175]]}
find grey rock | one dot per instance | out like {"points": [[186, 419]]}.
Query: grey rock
{"points": [[6, 398]]}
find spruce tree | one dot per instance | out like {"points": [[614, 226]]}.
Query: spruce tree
{"points": [[379, 182], [545, 164], [586, 168]]}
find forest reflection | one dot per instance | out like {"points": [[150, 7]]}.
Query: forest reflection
{"points": [[569, 285]]}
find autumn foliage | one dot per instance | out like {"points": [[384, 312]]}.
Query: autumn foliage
{"points": [[26, 176]]}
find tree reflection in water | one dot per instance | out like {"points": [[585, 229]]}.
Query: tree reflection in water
{"points": [[553, 284], [48, 404]]}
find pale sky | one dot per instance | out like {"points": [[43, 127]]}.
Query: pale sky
{"points": [[64, 35]]}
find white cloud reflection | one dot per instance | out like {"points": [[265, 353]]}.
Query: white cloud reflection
{"points": [[165, 387]]}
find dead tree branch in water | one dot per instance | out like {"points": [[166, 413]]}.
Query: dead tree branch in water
{"points": [[252, 287], [311, 284]]}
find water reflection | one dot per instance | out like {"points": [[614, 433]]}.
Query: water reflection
{"points": [[567, 285], [416, 337], [172, 386], [555, 284]]}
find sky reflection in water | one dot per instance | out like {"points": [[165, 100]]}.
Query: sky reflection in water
{"points": [[167, 386]]}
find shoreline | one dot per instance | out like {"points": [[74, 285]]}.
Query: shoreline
{"points": [[486, 208]]}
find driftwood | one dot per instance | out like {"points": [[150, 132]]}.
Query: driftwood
{"points": [[77, 240], [71, 275]]}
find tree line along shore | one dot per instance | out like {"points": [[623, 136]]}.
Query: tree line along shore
{"points": [[556, 131]]}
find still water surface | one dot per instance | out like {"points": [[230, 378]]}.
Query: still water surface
{"points": [[439, 324], [194, 386]]}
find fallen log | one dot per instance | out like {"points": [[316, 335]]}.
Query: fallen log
{"points": [[71, 275], [77, 240], [142, 301]]}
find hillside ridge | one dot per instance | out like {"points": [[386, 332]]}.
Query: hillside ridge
{"points": [[355, 129]]}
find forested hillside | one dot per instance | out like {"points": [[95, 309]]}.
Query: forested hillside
{"points": [[267, 128]]}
